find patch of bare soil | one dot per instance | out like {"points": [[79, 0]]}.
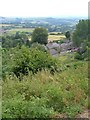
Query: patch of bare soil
{"points": [[85, 114], [59, 116]]}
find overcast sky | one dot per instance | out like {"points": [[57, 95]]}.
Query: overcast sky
{"points": [[43, 8]]}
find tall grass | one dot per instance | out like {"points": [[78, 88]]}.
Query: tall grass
{"points": [[46, 95]]}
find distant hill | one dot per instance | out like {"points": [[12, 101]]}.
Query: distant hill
{"points": [[51, 23], [10, 20], [49, 20]]}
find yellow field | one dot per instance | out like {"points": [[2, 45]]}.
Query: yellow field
{"points": [[53, 37], [5, 25], [56, 37]]}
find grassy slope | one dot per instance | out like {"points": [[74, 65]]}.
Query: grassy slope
{"points": [[64, 92]]}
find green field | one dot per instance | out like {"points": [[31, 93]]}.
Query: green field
{"points": [[13, 31]]}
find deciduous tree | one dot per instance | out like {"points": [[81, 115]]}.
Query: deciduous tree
{"points": [[40, 35]]}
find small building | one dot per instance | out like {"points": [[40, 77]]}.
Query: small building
{"points": [[54, 48], [66, 46], [53, 52]]}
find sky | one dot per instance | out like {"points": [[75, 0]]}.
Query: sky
{"points": [[43, 8]]}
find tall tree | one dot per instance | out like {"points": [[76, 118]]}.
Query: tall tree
{"points": [[68, 35], [80, 35], [40, 35]]}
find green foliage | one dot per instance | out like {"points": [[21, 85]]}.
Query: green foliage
{"points": [[81, 33], [79, 56], [71, 110], [44, 95], [68, 35], [10, 41], [39, 47], [22, 60], [55, 98], [82, 53], [41, 94], [6, 62], [40, 35], [18, 108], [80, 39]]}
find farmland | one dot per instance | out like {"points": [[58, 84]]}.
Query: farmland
{"points": [[29, 31], [13, 31], [56, 37], [53, 37]]}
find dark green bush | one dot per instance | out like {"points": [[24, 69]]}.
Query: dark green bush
{"points": [[22, 60], [78, 56], [82, 56]]}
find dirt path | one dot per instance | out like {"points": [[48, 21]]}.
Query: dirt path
{"points": [[85, 114]]}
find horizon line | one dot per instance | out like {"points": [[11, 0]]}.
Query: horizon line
{"points": [[42, 16]]}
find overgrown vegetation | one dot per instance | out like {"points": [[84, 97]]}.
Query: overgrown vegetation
{"points": [[22, 60], [46, 95], [38, 85]]}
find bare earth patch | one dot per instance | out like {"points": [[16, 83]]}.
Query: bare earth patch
{"points": [[85, 114]]}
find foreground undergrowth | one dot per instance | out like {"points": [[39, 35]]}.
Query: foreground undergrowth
{"points": [[45, 95]]}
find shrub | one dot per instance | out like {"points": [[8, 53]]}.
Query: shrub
{"points": [[78, 56], [39, 47], [21, 61], [81, 56]]}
